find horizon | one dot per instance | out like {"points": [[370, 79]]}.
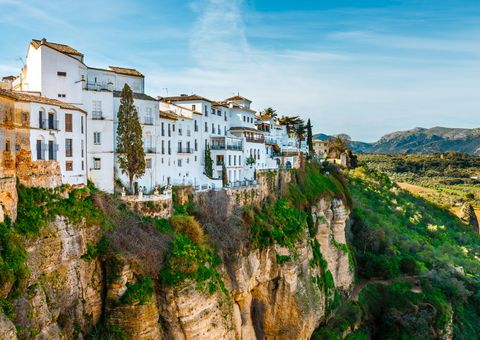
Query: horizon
{"points": [[365, 70]]}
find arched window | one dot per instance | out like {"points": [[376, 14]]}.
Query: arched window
{"points": [[42, 123]]}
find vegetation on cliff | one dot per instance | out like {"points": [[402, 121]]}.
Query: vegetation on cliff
{"points": [[422, 263]]}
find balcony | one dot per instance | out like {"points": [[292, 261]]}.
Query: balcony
{"points": [[95, 86], [184, 150], [255, 139], [227, 147], [97, 115], [48, 124], [270, 140], [147, 121], [150, 149]]}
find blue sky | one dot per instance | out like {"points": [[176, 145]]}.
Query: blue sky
{"points": [[360, 67]]}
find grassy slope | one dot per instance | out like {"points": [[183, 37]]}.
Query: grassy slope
{"points": [[397, 234]]}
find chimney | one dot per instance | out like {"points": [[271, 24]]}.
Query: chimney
{"points": [[43, 41]]}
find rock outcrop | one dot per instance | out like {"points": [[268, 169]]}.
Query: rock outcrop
{"points": [[467, 214], [65, 295], [266, 299]]}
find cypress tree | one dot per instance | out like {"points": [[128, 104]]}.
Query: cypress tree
{"points": [[131, 156], [224, 175], [309, 137], [208, 163]]}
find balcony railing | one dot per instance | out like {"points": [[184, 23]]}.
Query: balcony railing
{"points": [[48, 124], [97, 115], [95, 86], [147, 120], [227, 147], [255, 140], [150, 149], [184, 150]]}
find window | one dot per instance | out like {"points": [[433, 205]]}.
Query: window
{"points": [[61, 74], [173, 127], [193, 107], [244, 119], [68, 122], [83, 165], [97, 109], [239, 160], [69, 166], [195, 158], [180, 146], [163, 147], [7, 146], [41, 122], [83, 152], [169, 132], [40, 150], [225, 130], [188, 146], [68, 147], [163, 129], [97, 138], [206, 127], [225, 115], [148, 163], [213, 128], [196, 145], [206, 110], [180, 162], [229, 160], [97, 164], [219, 131], [61, 95], [235, 160], [169, 148], [81, 124], [196, 126], [206, 144]]}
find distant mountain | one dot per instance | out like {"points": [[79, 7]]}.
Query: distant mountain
{"points": [[421, 140]]}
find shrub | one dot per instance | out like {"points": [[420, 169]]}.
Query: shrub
{"points": [[189, 261], [189, 226], [141, 292]]}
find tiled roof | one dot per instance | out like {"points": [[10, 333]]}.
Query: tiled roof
{"points": [[58, 47], [264, 117], [141, 96], [185, 98], [239, 98], [168, 115], [125, 71], [25, 97], [245, 128]]}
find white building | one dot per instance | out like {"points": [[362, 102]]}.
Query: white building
{"points": [[176, 130], [57, 133]]}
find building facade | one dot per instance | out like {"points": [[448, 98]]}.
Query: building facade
{"points": [[177, 130]]}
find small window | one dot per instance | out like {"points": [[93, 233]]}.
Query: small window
{"points": [[193, 107], [180, 162], [69, 166], [68, 148], [68, 122], [148, 163], [97, 163], [61, 74], [97, 138], [62, 95]]}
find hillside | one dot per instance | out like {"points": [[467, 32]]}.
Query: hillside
{"points": [[417, 268], [424, 141]]}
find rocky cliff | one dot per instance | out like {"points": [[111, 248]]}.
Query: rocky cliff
{"points": [[276, 292]]}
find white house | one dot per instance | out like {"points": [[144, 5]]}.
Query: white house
{"points": [[57, 133]]}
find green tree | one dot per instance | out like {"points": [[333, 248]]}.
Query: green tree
{"points": [[224, 175], [131, 156], [269, 112], [309, 137], [290, 123], [208, 163], [300, 133]]}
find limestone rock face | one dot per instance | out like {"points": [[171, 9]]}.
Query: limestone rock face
{"points": [[7, 329], [63, 291], [266, 300], [137, 321], [331, 219]]}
